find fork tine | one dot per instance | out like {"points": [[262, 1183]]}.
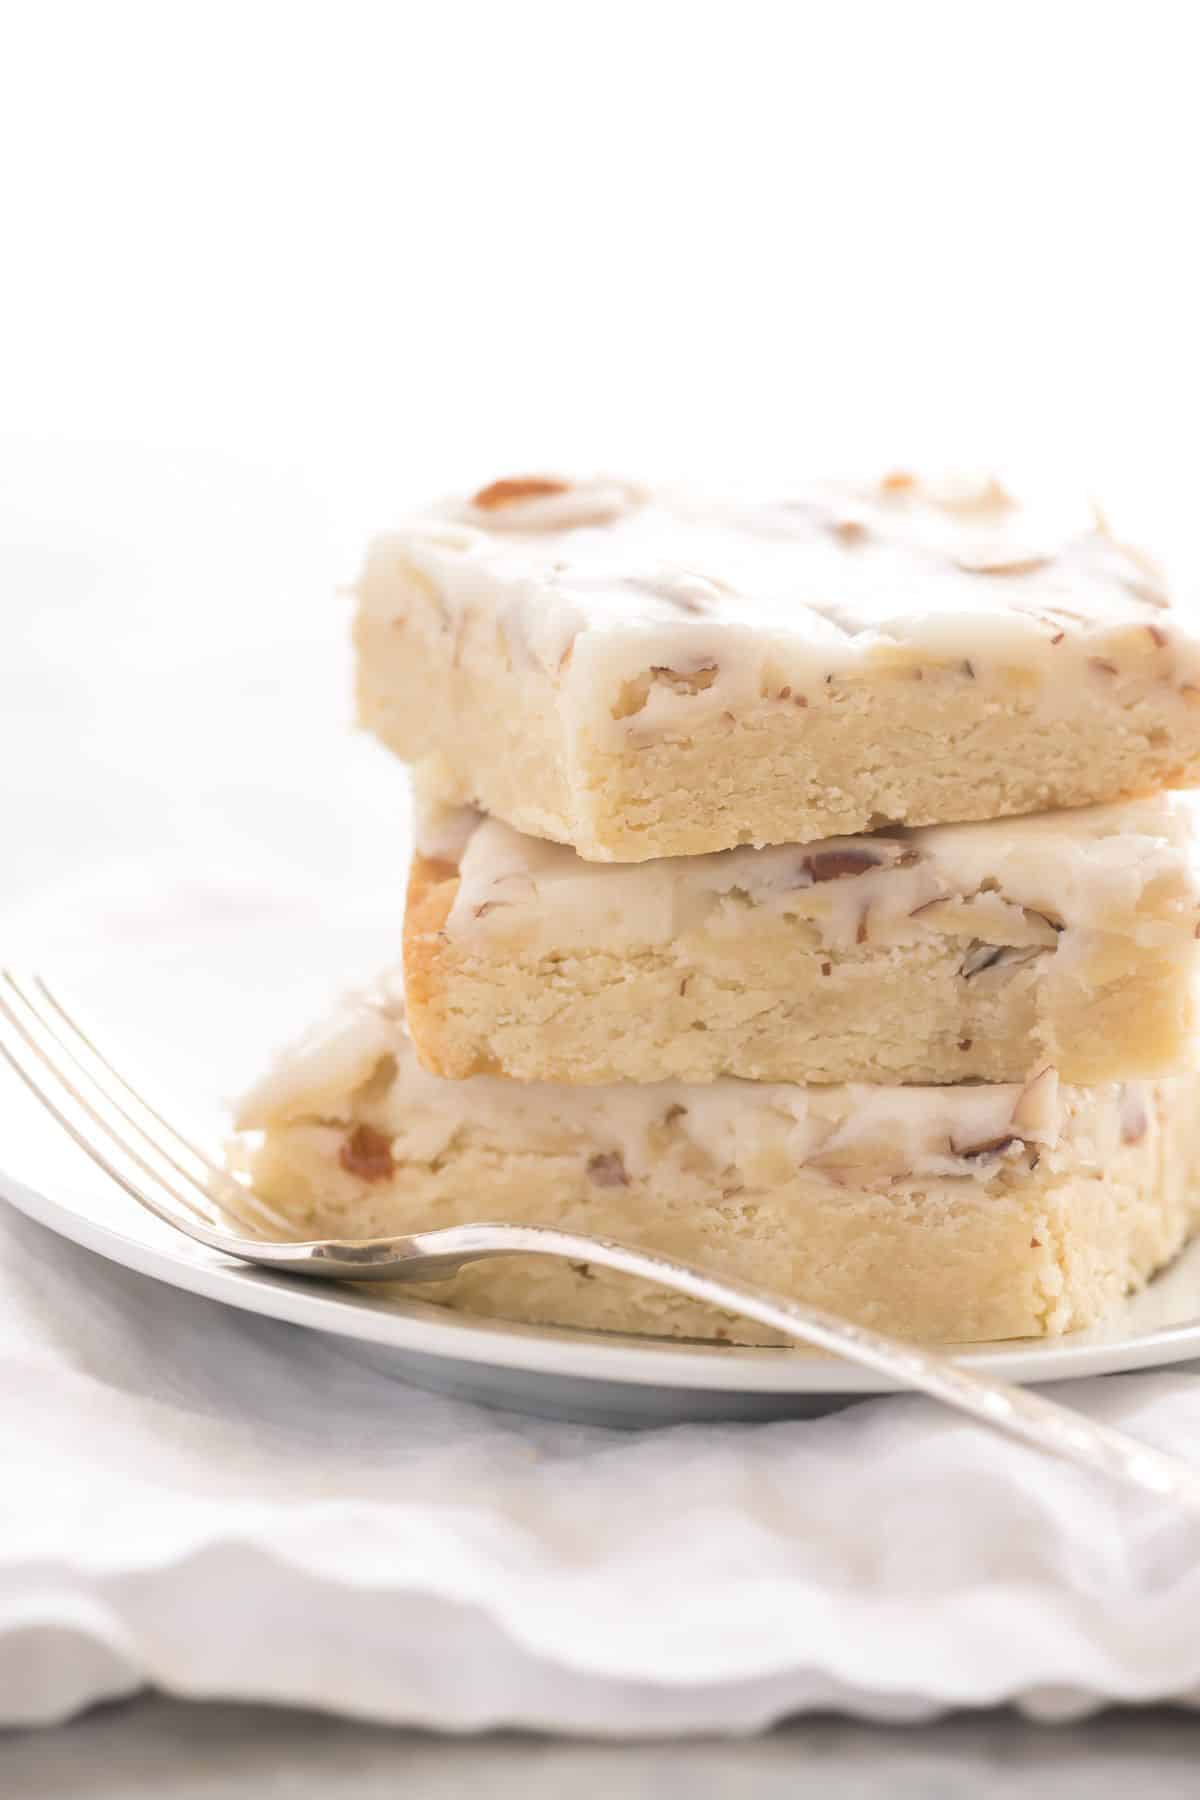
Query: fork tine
{"points": [[81, 1134], [80, 1040], [198, 1201], [232, 1195], [81, 1137], [17, 990]]}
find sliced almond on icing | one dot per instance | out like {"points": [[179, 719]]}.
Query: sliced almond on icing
{"points": [[1145, 580], [989, 917], [1002, 559], [966, 496], [1146, 592], [1036, 1111], [835, 865], [998, 959], [838, 862], [517, 487], [978, 958], [607, 1169], [367, 1154], [684, 589], [1135, 1120], [549, 503], [987, 1148]]}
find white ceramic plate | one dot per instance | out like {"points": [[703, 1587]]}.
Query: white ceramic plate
{"points": [[585, 1375]]}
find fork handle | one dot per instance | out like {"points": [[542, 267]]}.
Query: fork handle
{"points": [[1020, 1412]]}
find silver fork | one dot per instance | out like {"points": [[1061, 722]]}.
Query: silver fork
{"points": [[165, 1172]]}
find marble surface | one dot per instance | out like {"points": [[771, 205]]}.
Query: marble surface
{"points": [[152, 1746]]}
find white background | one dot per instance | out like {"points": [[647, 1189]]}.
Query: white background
{"points": [[274, 273], [387, 246]]}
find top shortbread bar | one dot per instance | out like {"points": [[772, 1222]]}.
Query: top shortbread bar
{"points": [[638, 674]]}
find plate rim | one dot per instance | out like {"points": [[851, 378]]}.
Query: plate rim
{"points": [[549, 1350]]}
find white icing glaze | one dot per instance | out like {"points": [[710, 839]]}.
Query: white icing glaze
{"points": [[320, 1069], [1129, 868], [966, 1131], [598, 583]]}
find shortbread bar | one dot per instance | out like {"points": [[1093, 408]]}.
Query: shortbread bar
{"points": [[944, 1213], [941, 954], [641, 675]]}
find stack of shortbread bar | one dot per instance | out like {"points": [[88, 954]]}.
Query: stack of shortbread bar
{"points": [[796, 891]]}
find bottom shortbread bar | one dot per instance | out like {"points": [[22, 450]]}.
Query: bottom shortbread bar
{"points": [[945, 1213]]}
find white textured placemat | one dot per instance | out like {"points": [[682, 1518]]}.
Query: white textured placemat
{"points": [[223, 1505]]}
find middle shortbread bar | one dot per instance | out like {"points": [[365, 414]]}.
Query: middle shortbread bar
{"points": [[942, 954]]}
